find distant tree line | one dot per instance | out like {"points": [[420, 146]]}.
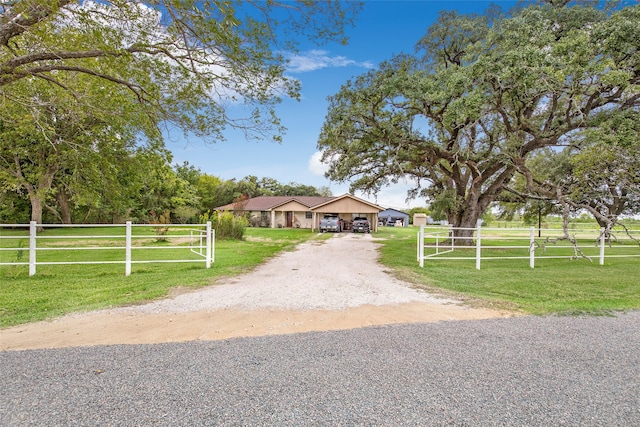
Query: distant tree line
{"points": [[146, 194]]}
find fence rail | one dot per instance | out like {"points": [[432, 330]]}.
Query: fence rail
{"points": [[199, 240], [486, 243]]}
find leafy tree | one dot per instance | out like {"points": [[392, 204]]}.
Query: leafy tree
{"points": [[600, 178], [209, 191], [163, 190], [605, 179], [13, 209], [487, 93], [84, 85], [247, 188], [184, 61], [270, 186], [296, 189], [547, 164], [57, 154], [325, 191], [225, 193], [188, 172]]}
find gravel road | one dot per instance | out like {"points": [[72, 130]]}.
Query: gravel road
{"points": [[526, 371]]}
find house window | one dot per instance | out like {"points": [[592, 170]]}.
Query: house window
{"points": [[308, 215], [264, 216]]}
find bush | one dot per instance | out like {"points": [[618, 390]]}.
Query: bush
{"points": [[163, 220], [228, 226]]}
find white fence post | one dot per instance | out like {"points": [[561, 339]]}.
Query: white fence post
{"points": [[421, 246], [478, 245], [213, 245], [532, 247], [602, 239], [33, 229], [208, 245], [127, 257]]}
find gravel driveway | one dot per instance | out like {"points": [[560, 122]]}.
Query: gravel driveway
{"points": [[321, 285], [517, 371], [333, 274]]}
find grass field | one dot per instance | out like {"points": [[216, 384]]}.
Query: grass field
{"points": [[554, 286], [59, 289]]}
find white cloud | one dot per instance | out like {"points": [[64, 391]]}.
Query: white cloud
{"points": [[317, 59], [316, 167]]}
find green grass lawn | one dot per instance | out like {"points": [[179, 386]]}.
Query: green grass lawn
{"points": [[554, 286], [59, 289]]}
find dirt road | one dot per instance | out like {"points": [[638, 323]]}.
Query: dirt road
{"points": [[322, 285]]}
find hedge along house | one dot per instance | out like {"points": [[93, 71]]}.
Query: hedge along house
{"points": [[303, 211]]}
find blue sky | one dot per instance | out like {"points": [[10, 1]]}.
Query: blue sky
{"points": [[383, 28]]}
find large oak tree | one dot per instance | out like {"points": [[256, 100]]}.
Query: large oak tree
{"points": [[482, 94]]}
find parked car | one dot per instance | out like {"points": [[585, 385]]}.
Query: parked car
{"points": [[330, 222], [361, 225]]}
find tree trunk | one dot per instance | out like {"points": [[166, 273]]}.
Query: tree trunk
{"points": [[36, 209], [37, 193], [63, 205], [464, 224], [605, 223], [464, 230]]}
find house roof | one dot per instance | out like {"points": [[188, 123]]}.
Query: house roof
{"points": [[350, 196], [308, 201], [267, 203], [393, 210]]}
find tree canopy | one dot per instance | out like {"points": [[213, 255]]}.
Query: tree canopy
{"points": [[85, 88], [184, 61], [480, 96]]}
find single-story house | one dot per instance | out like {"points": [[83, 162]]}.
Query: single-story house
{"points": [[304, 211], [390, 217]]}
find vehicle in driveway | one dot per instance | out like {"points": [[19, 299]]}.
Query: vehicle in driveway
{"points": [[361, 225], [330, 222]]}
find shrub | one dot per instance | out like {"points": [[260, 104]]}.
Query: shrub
{"points": [[163, 220], [228, 226]]}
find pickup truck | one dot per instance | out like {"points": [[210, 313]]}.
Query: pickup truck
{"points": [[330, 223], [361, 224]]}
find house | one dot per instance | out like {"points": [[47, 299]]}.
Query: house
{"points": [[303, 211], [391, 217]]}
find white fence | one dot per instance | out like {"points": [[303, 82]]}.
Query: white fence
{"points": [[199, 240], [439, 243]]}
